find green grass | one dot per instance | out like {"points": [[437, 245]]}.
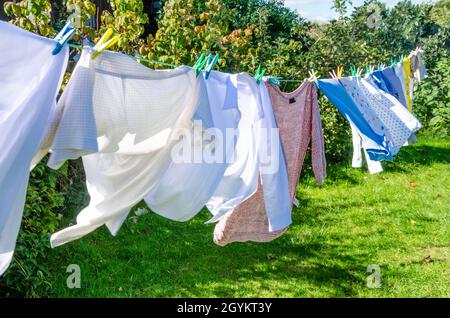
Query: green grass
{"points": [[398, 219]]}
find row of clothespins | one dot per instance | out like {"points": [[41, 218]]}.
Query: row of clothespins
{"points": [[207, 62], [204, 63], [356, 71], [68, 31]]}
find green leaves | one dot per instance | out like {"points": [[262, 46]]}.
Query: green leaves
{"points": [[432, 99], [31, 15]]}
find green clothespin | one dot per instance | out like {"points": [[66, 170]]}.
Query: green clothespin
{"points": [[353, 70], [200, 64], [275, 81], [259, 74], [393, 61]]}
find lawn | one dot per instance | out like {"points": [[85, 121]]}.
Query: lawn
{"points": [[398, 220]]}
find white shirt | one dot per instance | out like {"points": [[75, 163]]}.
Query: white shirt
{"points": [[30, 77], [188, 184], [240, 179], [273, 169], [126, 115]]}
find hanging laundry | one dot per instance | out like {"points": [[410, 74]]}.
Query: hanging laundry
{"points": [[240, 179], [394, 85], [374, 143], [418, 66], [30, 77], [399, 72], [372, 165], [409, 84], [126, 117], [377, 77], [186, 187], [353, 88], [298, 119], [400, 123]]}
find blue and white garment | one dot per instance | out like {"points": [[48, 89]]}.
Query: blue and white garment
{"points": [[374, 142], [398, 121], [352, 86], [30, 77]]}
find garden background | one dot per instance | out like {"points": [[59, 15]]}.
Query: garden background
{"points": [[398, 219]]}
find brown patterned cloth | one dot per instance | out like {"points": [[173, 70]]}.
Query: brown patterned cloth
{"points": [[298, 120]]}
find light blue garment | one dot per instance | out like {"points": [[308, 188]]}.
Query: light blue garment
{"points": [[394, 85], [374, 143]]}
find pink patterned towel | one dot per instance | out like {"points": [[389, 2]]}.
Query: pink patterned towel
{"points": [[298, 120]]}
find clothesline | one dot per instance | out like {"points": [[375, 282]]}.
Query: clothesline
{"points": [[140, 58], [133, 57]]}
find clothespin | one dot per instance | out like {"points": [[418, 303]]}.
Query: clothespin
{"points": [[103, 43], [259, 74], [393, 61], [333, 74], [210, 64], [312, 75], [340, 71], [200, 64], [359, 72], [353, 70], [63, 37], [274, 80], [381, 66]]}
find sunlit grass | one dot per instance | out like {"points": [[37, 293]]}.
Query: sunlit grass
{"points": [[398, 220]]}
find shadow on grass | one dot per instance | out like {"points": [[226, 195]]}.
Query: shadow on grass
{"points": [[157, 257], [181, 260]]}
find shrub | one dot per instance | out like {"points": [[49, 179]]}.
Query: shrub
{"points": [[432, 99], [45, 198]]}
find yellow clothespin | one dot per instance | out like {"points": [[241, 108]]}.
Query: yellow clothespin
{"points": [[103, 43], [340, 70]]}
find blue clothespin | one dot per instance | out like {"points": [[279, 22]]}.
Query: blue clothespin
{"points": [[63, 36], [210, 64]]}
